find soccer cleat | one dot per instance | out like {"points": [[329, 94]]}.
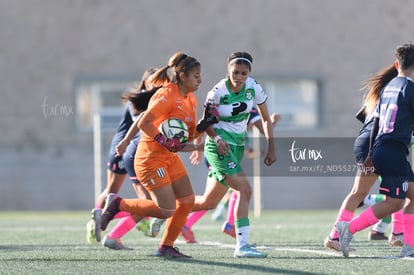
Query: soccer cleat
{"points": [[188, 235], [144, 226], [248, 251], [155, 226], [170, 253], [345, 237], [229, 230], [96, 215], [396, 239], [90, 232], [110, 210], [407, 251], [376, 236], [333, 244], [115, 244]]}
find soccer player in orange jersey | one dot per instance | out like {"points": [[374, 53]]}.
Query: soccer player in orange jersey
{"points": [[159, 169]]}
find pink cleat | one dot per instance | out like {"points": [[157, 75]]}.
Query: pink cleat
{"points": [[188, 235], [229, 230]]}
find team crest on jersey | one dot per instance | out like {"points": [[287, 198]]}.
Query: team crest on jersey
{"points": [[249, 94], [188, 119]]}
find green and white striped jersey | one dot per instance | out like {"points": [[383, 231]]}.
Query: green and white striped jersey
{"points": [[234, 108]]}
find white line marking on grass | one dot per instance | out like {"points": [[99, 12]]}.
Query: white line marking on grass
{"points": [[299, 250], [303, 250], [218, 244], [264, 247]]}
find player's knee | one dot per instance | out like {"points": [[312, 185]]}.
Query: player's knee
{"points": [[166, 213], [190, 199], [396, 204], [359, 195], [245, 190], [210, 205], [393, 204]]}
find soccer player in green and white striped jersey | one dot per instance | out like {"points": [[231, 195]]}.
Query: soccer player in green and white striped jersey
{"points": [[235, 97]]}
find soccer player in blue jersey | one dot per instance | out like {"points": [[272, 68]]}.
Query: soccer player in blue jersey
{"points": [[119, 165], [363, 182], [392, 131]]}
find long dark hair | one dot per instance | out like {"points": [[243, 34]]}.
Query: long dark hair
{"points": [[140, 100], [178, 62], [374, 86]]}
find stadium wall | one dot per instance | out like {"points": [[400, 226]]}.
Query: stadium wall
{"points": [[47, 161]]}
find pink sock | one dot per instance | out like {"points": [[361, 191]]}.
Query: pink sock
{"points": [[343, 216], [193, 217], [362, 221], [408, 220], [230, 209], [122, 214], [123, 226], [397, 221]]}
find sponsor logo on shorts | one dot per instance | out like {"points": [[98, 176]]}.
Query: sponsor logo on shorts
{"points": [[151, 181], [405, 186], [161, 172], [121, 164], [231, 164]]}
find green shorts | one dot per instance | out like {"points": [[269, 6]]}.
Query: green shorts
{"points": [[222, 166]]}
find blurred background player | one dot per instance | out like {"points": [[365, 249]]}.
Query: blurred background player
{"points": [[118, 166]]}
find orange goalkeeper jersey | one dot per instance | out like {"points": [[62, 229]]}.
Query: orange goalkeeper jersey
{"points": [[168, 102]]}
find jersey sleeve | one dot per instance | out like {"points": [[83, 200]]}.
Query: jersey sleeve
{"points": [[212, 96], [410, 87], [260, 96], [254, 116], [160, 104]]}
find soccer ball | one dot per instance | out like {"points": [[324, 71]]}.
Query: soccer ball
{"points": [[172, 127]]}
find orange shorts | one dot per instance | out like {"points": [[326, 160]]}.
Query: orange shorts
{"points": [[154, 173]]}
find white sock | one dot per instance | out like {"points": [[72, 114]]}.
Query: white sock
{"points": [[372, 199], [242, 236], [380, 226]]}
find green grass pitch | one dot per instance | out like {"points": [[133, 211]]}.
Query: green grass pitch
{"points": [[55, 243]]}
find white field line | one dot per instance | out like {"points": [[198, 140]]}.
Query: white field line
{"points": [[209, 243], [298, 250]]}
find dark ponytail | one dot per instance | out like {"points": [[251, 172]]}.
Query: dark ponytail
{"points": [[374, 86]]}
